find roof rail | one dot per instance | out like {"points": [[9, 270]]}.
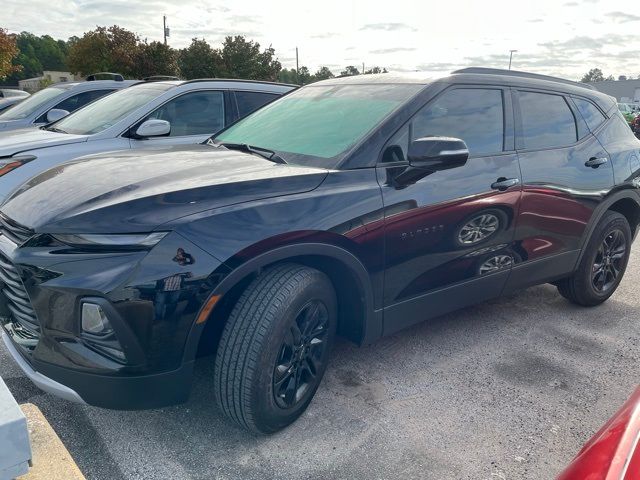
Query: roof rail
{"points": [[515, 73], [115, 76], [196, 80], [160, 78]]}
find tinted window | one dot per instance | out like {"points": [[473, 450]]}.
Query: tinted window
{"points": [[196, 113], [251, 101], [547, 121], [475, 115], [591, 114]]}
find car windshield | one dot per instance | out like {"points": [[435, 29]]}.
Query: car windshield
{"points": [[106, 111], [31, 104], [319, 124]]}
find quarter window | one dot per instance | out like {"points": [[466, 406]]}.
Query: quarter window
{"points": [[547, 121], [196, 113], [591, 114]]}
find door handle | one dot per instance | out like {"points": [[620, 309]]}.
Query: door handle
{"points": [[505, 183], [595, 162]]}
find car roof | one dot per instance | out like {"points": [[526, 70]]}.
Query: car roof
{"points": [[95, 84], [480, 75]]}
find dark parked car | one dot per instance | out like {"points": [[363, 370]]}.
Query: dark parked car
{"points": [[354, 206]]}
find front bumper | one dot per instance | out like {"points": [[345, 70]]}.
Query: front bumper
{"points": [[58, 357], [42, 382]]}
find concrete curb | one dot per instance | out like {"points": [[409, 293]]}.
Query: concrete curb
{"points": [[51, 460]]}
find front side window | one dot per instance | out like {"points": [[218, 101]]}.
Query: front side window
{"points": [[195, 113], [106, 111], [76, 102], [475, 115], [32, 104], [547, 121], [249, 102], [319, 124], [591, 114]]}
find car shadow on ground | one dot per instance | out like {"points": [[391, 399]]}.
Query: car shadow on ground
{"points": [[491, 380]]}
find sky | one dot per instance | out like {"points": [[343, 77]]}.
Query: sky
{"points": [[562, 37]]}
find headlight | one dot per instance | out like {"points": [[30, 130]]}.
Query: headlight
{"points": [[11, 163], [125, 241]]}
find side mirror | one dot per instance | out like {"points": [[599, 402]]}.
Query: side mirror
{"points": [[437, 153], [56, 114], [153, 128]]}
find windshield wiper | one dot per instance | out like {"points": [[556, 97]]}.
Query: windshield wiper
{"points": [[263, 152], [55, 129]]}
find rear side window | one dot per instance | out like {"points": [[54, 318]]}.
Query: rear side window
{"points": [[547, 121], [591, 114], [251, 101], [475, 115]]}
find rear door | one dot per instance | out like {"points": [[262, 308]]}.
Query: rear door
{"points": [[449, 235], [565, 175]]}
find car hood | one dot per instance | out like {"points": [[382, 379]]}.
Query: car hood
{"points": [[17, 141], [136, 191]]}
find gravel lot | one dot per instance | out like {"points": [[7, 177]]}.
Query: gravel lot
{"points": [[509, 389]]}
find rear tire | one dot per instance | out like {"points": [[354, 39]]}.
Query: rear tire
{"points": [[603, 263], [275, 346]]}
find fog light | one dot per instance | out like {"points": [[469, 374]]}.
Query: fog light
{"points": [[94, 320]]}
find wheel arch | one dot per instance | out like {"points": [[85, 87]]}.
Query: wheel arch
{"points": [[625, 201], [357, 319]]}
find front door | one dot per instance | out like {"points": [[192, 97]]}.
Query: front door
{"points": [[194, 117], [449, 235]]}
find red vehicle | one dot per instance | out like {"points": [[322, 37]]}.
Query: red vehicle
{"points": [[612, 453], [635, 126]]}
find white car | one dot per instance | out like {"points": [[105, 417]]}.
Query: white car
{"points": [[58, 100], [7, 102], [146, 115]]}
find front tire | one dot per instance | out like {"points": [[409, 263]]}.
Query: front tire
{"points": [[603, 263], [275, 346]]}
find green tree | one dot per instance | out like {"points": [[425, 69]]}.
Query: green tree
{"points": [[156, 58], [242, 58], [350, 71], [376, 70], [112, 49], [593, 75], [304, 76], [323, 73], [288, 76], [8, 51], [199, 60]]}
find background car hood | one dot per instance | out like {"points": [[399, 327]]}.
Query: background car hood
{"points": [[16, 141], [135, 191]]}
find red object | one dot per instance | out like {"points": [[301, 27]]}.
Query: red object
{"points": [[612, 453]]}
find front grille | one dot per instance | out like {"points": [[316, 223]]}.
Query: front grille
{"points": [[23, 321], [14, 231]]}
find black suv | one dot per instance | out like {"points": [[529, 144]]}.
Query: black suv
{"points": [[354, 206]]}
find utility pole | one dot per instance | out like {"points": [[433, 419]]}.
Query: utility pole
{"points": [[363, 68], [297, 68], [511, 57], [164, 28]]}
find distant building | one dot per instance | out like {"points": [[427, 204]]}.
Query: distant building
{"points": [[625, 91], [48, 77]]}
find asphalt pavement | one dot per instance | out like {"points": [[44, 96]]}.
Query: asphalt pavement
{"points": [[509, 389]]}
